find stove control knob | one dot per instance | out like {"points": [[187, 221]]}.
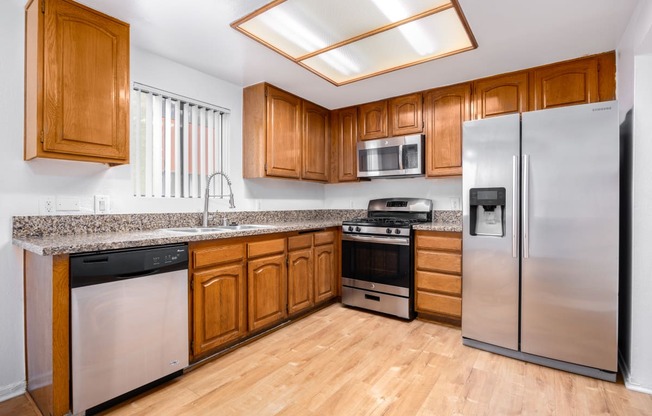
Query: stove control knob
{"points": [[350, 228], [388, 231], [357, 229], [397, 231]]}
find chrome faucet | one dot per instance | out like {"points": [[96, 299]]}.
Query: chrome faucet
{"points": [[208, 195]]}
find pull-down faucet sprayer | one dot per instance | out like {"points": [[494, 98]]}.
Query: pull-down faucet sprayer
{"points": [[208, 195]]}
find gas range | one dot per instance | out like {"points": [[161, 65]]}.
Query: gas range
{"points": [[377, 256]]}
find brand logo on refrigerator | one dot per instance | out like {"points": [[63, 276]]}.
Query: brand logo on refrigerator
{"points": [[602, 109]]}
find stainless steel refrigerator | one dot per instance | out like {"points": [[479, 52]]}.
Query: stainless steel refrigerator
{"points": [[540, 240]]}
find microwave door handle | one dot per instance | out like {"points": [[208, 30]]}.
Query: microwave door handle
{"points": [[400, 157]]}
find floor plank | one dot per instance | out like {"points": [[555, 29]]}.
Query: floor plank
{"points": [[341, 361]]}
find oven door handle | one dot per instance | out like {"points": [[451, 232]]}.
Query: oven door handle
{"points": [[395, 241]]}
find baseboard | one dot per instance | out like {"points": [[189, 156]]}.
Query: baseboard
{"points": [[11, 391], [624, 370]]}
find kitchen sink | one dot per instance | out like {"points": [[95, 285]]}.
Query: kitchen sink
{"points": [[243, 227], [195, 230]]}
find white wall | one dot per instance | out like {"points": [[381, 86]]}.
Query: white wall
{"points": [[24, 182], [635, 90]]}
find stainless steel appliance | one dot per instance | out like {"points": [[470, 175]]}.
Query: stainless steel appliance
{"points": [[540, 241], [377, 256], [394, 157], [129, 321]]}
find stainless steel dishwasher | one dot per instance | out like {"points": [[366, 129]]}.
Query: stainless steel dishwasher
{"points": [[129, 322]]}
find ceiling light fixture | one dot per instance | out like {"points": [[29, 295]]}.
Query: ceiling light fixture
{"points": [[344, 41]]}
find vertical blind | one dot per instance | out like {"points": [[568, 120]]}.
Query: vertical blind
{"points": [[176, 143]]}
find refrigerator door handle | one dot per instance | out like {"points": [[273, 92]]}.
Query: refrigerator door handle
{"points": [[526, 206], [514, 206]]}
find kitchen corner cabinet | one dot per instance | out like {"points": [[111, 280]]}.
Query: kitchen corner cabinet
{"points": [[345, 144], [283, 135], [406, 114], [501, 94], [326, 284], [316, 142], [266, 283], [372, 120], [445, 110], [217, 295], [76, 83], [438, 275]]}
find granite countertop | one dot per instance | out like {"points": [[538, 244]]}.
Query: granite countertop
{"points": [[53, 235]]}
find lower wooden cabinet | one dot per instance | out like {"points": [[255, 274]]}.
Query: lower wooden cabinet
{"points": [[266, 283], [325, 277], [300, 273], [219, 307], [438, 274]]}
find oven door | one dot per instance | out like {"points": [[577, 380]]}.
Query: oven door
{"points": [[377, 263]]}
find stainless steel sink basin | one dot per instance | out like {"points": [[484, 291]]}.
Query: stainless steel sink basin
{"points": [[195, 230], [244, 227]]}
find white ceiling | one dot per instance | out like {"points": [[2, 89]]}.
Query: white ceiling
{"points": [[511, 35]]}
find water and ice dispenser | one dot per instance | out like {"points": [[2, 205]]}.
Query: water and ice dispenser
{"points": [[487, 211]]}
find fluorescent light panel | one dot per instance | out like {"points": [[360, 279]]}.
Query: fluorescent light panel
{"points": [[344, 41]]}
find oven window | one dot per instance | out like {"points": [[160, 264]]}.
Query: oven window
{"points": [[380, 159], [378, 263]]}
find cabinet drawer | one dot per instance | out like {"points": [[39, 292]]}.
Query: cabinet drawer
{"points": [[439, 282], [440, 304], [299, 241], [324, 237], [210, 256], [261, 248], [434, 242], [437, 261]]}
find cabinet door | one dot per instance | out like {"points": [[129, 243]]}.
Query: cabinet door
{"points": [[325, 279], [283, 134], [568, 83], [502, 94], [446, 109], [218, 307], [345, 131], [316, 142], [300, 280], [372, 121], [86, 83], [267, 289], [405, 114]]}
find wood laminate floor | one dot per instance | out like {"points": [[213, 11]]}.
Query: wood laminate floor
{"points": [[341, 361]]}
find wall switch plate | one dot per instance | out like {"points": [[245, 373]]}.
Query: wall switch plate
{"points": [[67, 204], [456, 204], [46, 205], [102, 204]]}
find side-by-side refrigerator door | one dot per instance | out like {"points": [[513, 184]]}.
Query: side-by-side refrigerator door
{"points": [[570, 234], [490, 260]]}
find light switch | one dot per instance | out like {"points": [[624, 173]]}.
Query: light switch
{"points": [[102, 204]]}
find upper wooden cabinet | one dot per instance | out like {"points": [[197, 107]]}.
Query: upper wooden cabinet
{"points": [[283, 135], [445, 110], [345, 139], [405, 114], [76, 83], [316, 142], [502, 94], [372, 120], [567, 83]]}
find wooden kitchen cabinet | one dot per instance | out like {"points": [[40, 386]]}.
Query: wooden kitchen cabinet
{"points": [[406, 114], [445, 110], [316, 142], [267, 283], [300, 273], [345, 144], [372, 120], [218, 295], [326, 286], [566, 83], [438, 275], [500, 95], [76, 83]]}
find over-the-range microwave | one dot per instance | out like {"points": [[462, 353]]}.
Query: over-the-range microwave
{"points": [[392, 158]]}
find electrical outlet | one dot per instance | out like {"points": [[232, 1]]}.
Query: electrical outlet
{"points": [[455, 204], [46, 205], [102, 204]]}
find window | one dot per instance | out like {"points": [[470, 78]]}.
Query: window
{"points": [[176, 143]]}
